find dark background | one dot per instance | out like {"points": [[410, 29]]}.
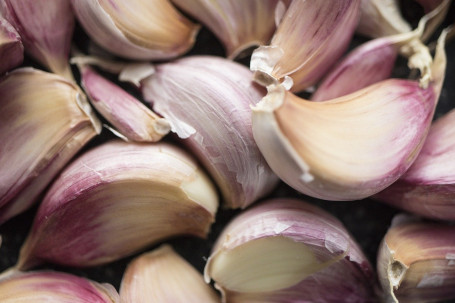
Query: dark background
{"points": [[367, 220]]}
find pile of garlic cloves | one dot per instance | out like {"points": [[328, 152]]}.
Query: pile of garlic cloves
{"points": [[256, 151]]}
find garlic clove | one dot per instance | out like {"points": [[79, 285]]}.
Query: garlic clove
{"points": [[207, 102], [46, 29], [351, 147], [310, 38], [116, 199], [11, 48], [50, 286], [137, 29], [44, 122], [237, 24], [286, 250], [428, 187], [164, 276], [129, 116], [416, 261]]}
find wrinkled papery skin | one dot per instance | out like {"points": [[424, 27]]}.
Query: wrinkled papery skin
{"points": [[428, 187], [11, 48], [42, 126], [310, 38], [136, 29], [50, 286], [207, 102], [46, 29], [350, 276], [164, 276], [237, 24], [127, 114], [418, 260], [116, 199]]}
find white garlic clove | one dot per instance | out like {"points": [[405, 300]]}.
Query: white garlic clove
{"points": [[44, 122], [237, 24], [310, 38], [116, 199], [129, 116], [164, 276], [51, 286], [416, 261], [207, 102], [350, 147], [11, 48], [46, 29], [286, 250], [428, 187], [137, 29]]}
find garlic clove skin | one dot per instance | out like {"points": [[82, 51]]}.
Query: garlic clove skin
{"points": [[116, 199], [428, 187], [237, 24], [132, 119], [207, 102], [46, 29], [139, 29], [164, 276], [416, 261], [11, 48], [347, 148], [286, 250], [44, 122], [50, 286], [310, 38]]}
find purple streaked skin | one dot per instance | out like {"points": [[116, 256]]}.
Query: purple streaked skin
{"points": [[226, 148], [47, 36], [428, 187], [11, 48], [46, 286], [127, 114], [351, 276], [366, 65]]}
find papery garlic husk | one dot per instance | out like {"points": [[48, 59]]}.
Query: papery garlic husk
{"points": [[131, 118], [51, 286], [428, 187], [46, 29], [11, 48], [350, 147], [137, 29], [310, 38], [286, 250], [162, 275], [416, 261], [116, 199], [237, 24], [367, 64], [207, 102], [45, 120]]}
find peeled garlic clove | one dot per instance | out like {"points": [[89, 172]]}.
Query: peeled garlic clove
{"points": [[428, 187], [416, 262], [164, 276], [207, 102], [351, 147], [44, 122], [137, 29], [11, 48], [286, 250], [50, 286], [238, 24], [46, 29], [117, 199], [310, 38], [129, 116]]}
